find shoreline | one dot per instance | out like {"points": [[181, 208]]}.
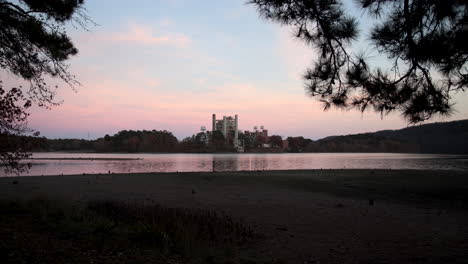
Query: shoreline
{"points": [[253, 172], [227, 152], [285, 171], [331, 216], [84, 158]]}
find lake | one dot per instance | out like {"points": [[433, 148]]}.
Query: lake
{"points": [[48, 163]]}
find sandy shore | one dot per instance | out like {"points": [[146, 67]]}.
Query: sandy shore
{"points": [[313, 216], [90, 158]]}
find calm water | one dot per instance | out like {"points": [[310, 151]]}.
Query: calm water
{"points": [[234, 162]]}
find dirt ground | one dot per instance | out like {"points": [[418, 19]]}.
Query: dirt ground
{"points": [[310, 216]]}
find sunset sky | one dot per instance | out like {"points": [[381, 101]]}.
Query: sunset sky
{"points": [[170, 64]]}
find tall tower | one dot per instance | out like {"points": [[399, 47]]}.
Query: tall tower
{"points": [[236, 130], [225, 126], [214, 123]]}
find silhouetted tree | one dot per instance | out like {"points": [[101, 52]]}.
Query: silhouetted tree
{"points": [[12, 123], [218, 140], [102, 145], [34, 45], [424, 40], [133, 144], [198, 143], [298, 144], [276, 141], [200, 139], [259, 140], [149, 142], [248, 140], [137, 141]]}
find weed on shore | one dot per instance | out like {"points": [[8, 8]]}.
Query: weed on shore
{"points": [[43, 231]]}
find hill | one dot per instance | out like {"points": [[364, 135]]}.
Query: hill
{"points": [[443, 137]]}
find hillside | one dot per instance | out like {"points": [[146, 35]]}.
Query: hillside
{"points": [[445, 137]]}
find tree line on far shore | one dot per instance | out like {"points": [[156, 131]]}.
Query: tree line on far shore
{"points": [[151, 141], [450, 137]]}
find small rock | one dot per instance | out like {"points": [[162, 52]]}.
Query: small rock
{"points": [[14, 182]]}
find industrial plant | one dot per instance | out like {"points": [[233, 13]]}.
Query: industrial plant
{"points": [[228, 126]]}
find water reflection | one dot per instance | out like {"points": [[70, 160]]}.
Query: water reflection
{"points": [[225, 163], [236, 162]]}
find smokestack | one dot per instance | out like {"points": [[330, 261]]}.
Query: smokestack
{"points": [[224, 126], [236, 131], [214, 123]]}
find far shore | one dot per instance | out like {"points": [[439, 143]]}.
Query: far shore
{"points": [[326, 216], [84, 158], [251, 152]]}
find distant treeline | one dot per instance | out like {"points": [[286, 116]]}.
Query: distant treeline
{"points": [[129, 141], [449, 137], [137, 141], [123, 141]]}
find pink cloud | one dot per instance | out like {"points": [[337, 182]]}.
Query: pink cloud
{"points": [[145, 35], [100, 41]]}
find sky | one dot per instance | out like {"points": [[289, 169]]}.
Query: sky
{"points": [[171, 64]]}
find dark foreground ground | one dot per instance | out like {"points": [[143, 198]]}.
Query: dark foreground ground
{"points": [[316, 216]]}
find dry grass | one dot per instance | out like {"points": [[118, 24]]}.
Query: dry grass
{"points": [[41, 231]]}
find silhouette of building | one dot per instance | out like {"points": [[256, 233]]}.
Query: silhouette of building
{"points": [[259, 135], [229, 127]]}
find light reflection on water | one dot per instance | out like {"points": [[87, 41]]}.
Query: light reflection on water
{"points": [[237, 162]]}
